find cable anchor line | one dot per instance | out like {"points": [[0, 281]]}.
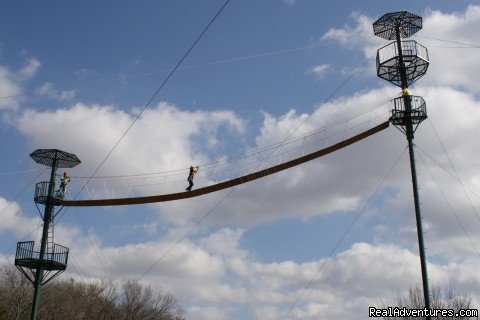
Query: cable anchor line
{"points": [[225, 184]]}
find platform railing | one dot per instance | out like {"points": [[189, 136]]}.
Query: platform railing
{"points": [[417, 114], [41, 192], [410, 49], [25, 251], [25, 255], [59, 254]]}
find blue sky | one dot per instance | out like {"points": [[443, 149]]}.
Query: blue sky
{"points": [[73, 76]]}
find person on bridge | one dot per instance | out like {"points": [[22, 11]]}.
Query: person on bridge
{"points": [[193, 170], [63, 185]]}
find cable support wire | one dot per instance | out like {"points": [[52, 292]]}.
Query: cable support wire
{"points": [[450, 206], [342, 238], [449, 41], [72, 260], [92, 243], [448, 172], [188, 67], [17, 172], [23, 190], [453, 47], [454, 170]]}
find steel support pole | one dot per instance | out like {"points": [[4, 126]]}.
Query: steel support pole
{"points": [[410, 134], [47, 217]]}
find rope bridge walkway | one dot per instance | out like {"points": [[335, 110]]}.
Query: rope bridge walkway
{"points": [[206, 186]]}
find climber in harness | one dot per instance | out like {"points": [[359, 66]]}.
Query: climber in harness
{"points": [[63, 185], [193, 170]]}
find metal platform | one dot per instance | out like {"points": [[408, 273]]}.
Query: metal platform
{"points": [[28, 258], [400, 116], [415, 60]]}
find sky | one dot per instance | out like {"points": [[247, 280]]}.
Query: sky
{"points": [[324, 240]]}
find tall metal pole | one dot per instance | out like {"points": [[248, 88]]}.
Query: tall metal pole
{"points": [[47, 217], [410, 132]]}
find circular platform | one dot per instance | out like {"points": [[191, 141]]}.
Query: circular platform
{"points": [[407, 23], [61, 158]]}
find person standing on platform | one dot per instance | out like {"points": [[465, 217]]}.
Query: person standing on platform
{"points": [[63, 185]]}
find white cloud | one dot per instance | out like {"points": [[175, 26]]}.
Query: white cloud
{"points": [[207, 313], [11, 83], [354, 279], [29, 70], [167, 135], [9, 89], [49, 90], [13, 220], [201, 275], [452, 66], [320, 70], [356, 34], [84, 73]]}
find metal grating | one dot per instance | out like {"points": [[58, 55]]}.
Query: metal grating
{"points": [[408, 24], [415, 61], [400, 116], [62, 159]]}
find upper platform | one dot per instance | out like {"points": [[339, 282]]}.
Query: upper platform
{"points": [[60, 158], [406, 22]]}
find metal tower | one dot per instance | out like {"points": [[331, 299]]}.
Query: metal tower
{"points": [[41, 267], [402, 63]]}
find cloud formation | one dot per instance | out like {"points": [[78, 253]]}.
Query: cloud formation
{"points": [[48, 89], [320, 71], [29, 70]]}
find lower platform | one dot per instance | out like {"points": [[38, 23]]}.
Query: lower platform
{"points": [[28, 258]]}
